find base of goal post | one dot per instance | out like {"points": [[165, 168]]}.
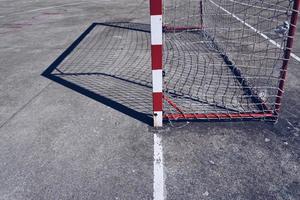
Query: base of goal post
{"points": [[167, 28], [219, 116], [211, 116]]}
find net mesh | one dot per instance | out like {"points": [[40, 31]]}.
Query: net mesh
{"points": [[223, 56]]}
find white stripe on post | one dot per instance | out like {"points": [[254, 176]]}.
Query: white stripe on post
{"points": [[156, 29], [157, 80], [158, 122]]}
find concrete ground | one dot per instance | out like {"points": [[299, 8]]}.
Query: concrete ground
{"points": [[56, 143]]}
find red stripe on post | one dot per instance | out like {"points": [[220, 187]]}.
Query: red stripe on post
{"points": [[155, 7], [156, 54], [157, 101]]}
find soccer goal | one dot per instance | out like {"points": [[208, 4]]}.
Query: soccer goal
{"points": [[220, 59]]}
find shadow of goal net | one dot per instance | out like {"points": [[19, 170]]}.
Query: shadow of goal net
{"points": [[221, 59]]}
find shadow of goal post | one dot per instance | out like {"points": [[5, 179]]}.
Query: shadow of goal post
{"points": [[158, 28]]}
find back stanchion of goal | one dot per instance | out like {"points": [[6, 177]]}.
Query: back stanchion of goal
{"points": [[287, 55], [252, 104]]}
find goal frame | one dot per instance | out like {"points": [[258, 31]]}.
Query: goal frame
{"points": [[158, 97]]}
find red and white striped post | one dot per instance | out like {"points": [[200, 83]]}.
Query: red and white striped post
{"points": [[157, 60]]}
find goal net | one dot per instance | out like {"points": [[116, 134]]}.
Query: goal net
{"points": [[223, 59]]}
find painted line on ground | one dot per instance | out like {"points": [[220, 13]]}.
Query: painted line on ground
{"points": [[254, 29], [158, 181], [255, 6]]}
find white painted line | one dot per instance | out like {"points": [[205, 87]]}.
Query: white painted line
{"points": [[156, 29], [254, 29], [157, 80], [158, 182], [260, 7], [45, 8]]}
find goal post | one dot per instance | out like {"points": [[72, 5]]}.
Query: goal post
{"points": [[220, 59], [156, 10]]}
